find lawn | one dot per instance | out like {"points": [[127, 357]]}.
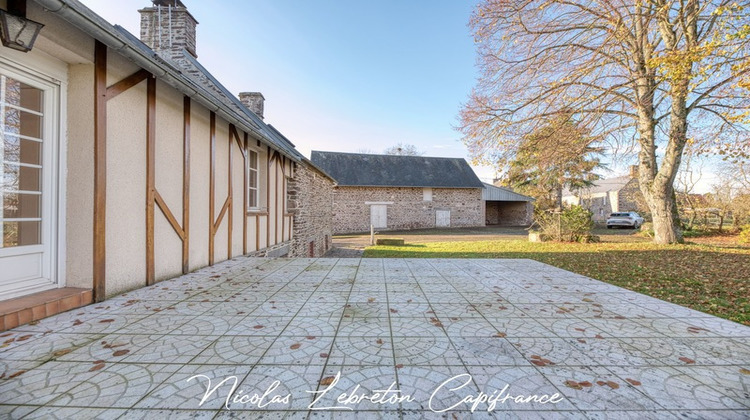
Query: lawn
{"points": [[710, 278]]}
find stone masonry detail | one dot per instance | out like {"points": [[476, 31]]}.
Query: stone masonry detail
{"points": [[310, 199], [408, 209]]}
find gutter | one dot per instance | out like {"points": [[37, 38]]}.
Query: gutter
{"points": [[92, 24]]}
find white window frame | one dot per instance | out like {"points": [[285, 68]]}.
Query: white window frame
{"points": [[50, 75], [257, 187], [426, 194]]}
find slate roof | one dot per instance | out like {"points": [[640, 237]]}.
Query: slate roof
{"points": [[365, 170]]}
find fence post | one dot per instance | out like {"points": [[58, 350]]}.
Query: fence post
{"points": [[372, 234]]}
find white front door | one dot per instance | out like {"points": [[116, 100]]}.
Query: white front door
{"points": [[442, 218], [379, 216], [27, 151]]}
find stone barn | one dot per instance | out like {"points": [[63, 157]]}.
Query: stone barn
{"points": [[611, 195], [401, 192]]}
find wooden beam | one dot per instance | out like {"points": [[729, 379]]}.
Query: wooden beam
{"points": [[150, 178], [186, 185], [100, 171], [268, 199], [283, 198], [168, 214], [230, 218], [127, 83], [276, 203], [224, 208], [244, 194], [211, 190]]}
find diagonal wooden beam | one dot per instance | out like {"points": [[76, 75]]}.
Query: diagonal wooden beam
{"points": [[168, 214], [127, 83], [223, 211]]}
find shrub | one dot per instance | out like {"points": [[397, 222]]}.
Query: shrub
{"points": [[744, 235], [573, 224]]}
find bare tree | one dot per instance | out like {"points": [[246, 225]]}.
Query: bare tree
{"points": [[657, 73], [403, 150]]}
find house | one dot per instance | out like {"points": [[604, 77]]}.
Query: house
{"points": [[609, 195], [126, 162], [410, 192]]}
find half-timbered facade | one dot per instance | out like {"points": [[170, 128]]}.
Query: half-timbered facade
{"points": [[125, 162]]}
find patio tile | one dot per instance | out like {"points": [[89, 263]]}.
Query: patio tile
{"points": [[407, 324], [234, 350], [303, 350]]}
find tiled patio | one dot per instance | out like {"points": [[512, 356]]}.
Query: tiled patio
{"points": [[406, 324]]}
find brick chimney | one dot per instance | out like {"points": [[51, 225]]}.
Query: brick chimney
{"points": [[168, 28], [253, 101], [634, 171]]}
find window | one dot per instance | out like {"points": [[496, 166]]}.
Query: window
{"points": [[253, 179], [21, 124], [427, 194]]}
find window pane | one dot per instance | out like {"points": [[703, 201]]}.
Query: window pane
{"points": [[21, 233], [17, 178], [22, 150], [31, 98], [22, 206], [252, 180], [22, 122], [252, 159], [252, 198]]}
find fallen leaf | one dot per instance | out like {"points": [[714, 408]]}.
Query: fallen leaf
{"points": [[62, 352], [581, 329], [501, 334], [613, 385], [599, 336], [399, 366], [538, 363], [104, 321], [257, 327], [587, 384], [327, 380], [745, 371], [77, 322], [295, 346], [573, 384], [535, 357], [19, 373], [96, 367], [393, 311], [601, 383], [379, 341], [633, 382], [370, 300], [581, 340], [687, 360], [119, 353], [324, 355], [24, 337], [310, 337]]}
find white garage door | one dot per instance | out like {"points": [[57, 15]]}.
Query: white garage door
{"points": [[442, 218]]}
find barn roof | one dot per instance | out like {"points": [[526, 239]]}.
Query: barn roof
{"points": [[495, 193], [366, 170]]}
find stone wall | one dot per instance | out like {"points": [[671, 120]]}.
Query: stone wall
{"points": [[509, 213], [406, 207], [310, 196], [630, 198]]}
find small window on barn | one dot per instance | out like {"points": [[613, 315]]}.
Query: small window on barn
{"points": [[427, 194]]}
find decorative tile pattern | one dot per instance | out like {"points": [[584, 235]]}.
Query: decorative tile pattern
{"points": [[352, 332]]}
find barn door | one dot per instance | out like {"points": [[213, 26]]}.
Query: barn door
{"points": [[442, 218], [27, 250], [379, 216]]}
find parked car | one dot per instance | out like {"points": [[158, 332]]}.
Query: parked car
{"points": [[629, 219]]}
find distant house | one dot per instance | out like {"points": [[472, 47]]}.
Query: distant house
{"points": [[609, 195], [411, 192]]}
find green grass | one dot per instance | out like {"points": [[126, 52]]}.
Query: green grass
{"points": [[711, 279]]}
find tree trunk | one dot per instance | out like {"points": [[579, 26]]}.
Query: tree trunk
{"points": [[664, 216]]}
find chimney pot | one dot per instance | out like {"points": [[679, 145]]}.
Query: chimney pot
{"points": [[253, 101]]}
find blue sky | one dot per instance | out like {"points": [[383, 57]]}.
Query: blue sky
{"points": [[336, 75]]}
